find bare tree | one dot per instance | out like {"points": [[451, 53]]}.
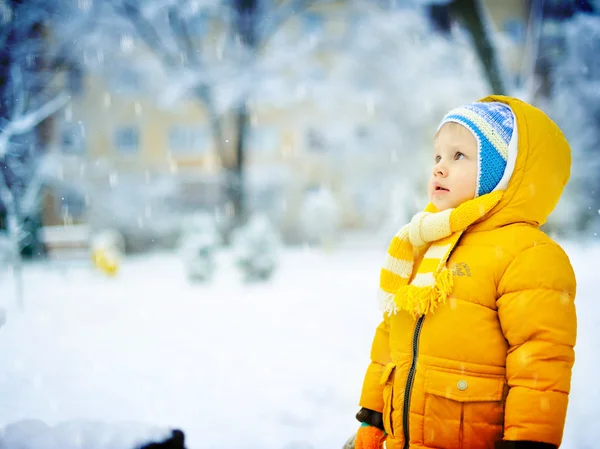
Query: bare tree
{"points": [[29, 94], [248, 25]]}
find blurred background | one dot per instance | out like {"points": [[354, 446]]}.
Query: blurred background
{"points": [[173, 168], [133, 115]]}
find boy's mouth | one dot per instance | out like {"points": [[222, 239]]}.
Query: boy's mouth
{"points": [[441, 189]]}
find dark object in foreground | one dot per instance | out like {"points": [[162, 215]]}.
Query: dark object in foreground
{"points": [[176, 441]]}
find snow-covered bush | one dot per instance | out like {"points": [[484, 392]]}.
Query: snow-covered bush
{"points": [[256, 248], [320, 217], [200, 238]]}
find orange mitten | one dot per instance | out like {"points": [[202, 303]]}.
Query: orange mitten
{"points": [[369, 437]]}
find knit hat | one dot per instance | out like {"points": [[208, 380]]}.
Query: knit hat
{"points": [[492, 124]]}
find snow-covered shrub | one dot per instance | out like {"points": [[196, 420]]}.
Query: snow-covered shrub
{"points": [[256, 248], [200, 238]]}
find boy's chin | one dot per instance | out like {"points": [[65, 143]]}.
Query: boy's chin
{"points": [[440, 205]]}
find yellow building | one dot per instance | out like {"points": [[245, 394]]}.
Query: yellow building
{"points": [[116, 131]]}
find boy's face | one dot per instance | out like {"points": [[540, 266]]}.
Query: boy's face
{"points": [[454, 176]]}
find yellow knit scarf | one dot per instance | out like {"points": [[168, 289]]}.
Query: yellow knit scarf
{"points": [[436, 233]]}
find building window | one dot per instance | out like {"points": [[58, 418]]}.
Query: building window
{"points": [[315, 141], [127, 140], [188, 140], [263, 140], [126, 82], [72, 139], [362, 133]]}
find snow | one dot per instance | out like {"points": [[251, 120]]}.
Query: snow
{"points": [[267, 365]]}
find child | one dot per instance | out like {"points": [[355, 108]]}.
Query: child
{"points": [[476, 347]]}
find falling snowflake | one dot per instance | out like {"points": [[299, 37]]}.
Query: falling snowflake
{"points": [[126, 43], [84, 5], [113, 179], [6, 13]]}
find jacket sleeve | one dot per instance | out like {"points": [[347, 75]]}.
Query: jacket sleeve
{"points": [[372, 392], [537, 314]]}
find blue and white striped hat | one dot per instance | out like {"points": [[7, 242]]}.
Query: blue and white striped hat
{"points": [[492, 124]]}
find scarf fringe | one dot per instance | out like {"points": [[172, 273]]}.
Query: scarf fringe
{"points": [[432, 235], [419, 301], [386, 303]]}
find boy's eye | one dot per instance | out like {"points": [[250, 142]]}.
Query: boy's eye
{"points": [[458, 155], [437, 158]]}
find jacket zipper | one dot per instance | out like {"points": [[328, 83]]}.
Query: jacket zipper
{"points": [[410, 380], [462, 426]]}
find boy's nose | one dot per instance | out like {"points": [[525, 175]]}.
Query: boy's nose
{"points": [[439, 170]]}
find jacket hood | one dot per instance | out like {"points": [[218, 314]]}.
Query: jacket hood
{"points": [[541, 171]]}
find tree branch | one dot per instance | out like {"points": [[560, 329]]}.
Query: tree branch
{"points": [[282, 14], [30, 120], [182, 36], [61, 58], [18, 91], [146, 31]]}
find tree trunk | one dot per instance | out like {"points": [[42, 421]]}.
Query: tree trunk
{"points": [[234, 169], [245, 22], [238, 182], [12, 228], [232, 187], [471, 14]]}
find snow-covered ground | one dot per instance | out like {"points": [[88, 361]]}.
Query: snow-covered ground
{"points": [[275, 365]]}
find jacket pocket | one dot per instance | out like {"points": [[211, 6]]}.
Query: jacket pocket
{"points": [[462, 410], [387, 380]]}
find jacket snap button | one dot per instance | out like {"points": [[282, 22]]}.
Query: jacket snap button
{"points": [[462, 385]]}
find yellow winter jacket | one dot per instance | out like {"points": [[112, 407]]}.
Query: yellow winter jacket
{"points": [[495, 361]]}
